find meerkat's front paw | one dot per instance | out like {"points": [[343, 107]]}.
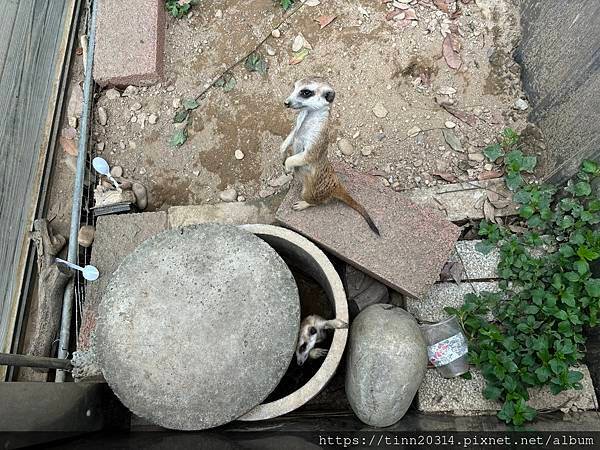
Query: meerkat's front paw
{"points": [[317, 353], [339, 324], [288, 167]]}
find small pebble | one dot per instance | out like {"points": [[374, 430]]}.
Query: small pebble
{"points": [[102, 116], [521, 104], [219, 14], [116, 171], [345, 147], [228, 195], [241, 198], [366, 151], [122, 145], [380, 111], [136, 106], [477, 157], [176, 103], [152, 119], [132, 145], [270, 50], [130, 91], [141, 195], [488, 167], [170, 88], [86, 235], [239, 154], [133, 119], [142, 171], [413, 131], [112, 94], [276, 33], [449, 124], [100, 146], [73, 122], [356, 134]]}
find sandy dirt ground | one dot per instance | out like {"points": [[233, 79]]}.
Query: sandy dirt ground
{"points": [[389, 75]]}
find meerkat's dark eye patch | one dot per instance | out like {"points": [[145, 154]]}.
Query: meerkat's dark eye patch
{"points": [[306, 93], [302, 347], [312, 330]]}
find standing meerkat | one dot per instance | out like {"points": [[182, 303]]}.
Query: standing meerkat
{"points": [[312, 332], [309, 139]]}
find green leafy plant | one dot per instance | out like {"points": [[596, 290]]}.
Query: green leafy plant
{"points": [[179, 8], [227, 82], [547, 293], [256, 63], [515, 162], [286, 4], [181, 116]]}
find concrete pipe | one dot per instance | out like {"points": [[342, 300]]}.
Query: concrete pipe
{"points": [[294, 247]]}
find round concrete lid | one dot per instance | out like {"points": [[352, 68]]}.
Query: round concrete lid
{"points": [[197, 326]]}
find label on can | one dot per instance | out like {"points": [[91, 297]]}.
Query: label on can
{"points": [[448, 350]]}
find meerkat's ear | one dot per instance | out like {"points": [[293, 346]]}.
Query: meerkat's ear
{"points": [[329, 96]]}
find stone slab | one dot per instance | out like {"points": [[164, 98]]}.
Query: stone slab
{"points": [[235, 213], [197, 326], [116, 236], [462, 201], [415, 241], [461, 397], [130, 42], [477, 266], [441, 295]]}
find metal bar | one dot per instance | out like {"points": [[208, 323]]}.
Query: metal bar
{"points": [[67, 310], [11, 359], [26, 292]]}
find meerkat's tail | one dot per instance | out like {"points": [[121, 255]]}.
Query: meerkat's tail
{"points": [[341, 194]]}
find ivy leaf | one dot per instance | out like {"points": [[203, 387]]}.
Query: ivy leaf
{"points": [[484, 247], [514, 180], [543, 374], [179, 138], [586, 253], [286, 4], [582, 189], [256, 63], [590, 167], [574, 376], [529, 163], [492, 392], [581, 266], [493, 152], [190, 104], [180, 115], [522, 197], [592, 287]]}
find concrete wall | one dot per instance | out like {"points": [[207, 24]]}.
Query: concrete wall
{"points": [[560, 55]]}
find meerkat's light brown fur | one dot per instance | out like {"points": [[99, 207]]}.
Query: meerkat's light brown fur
{"points": [[309, 140], [312, 332]]}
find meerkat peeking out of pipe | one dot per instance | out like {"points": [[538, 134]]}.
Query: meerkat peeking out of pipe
{"points": [[312, 332], [312, 98]]}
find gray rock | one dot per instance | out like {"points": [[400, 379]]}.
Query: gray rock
{"points": [[345, 147], [521, 104], [102, 116], [387, 360], [228, 195], [197, 326], [452, 140], [281, 180], [362, 290], [112, 94]]}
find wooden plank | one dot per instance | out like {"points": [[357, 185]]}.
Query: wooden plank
{"points": [[32, 61]]}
